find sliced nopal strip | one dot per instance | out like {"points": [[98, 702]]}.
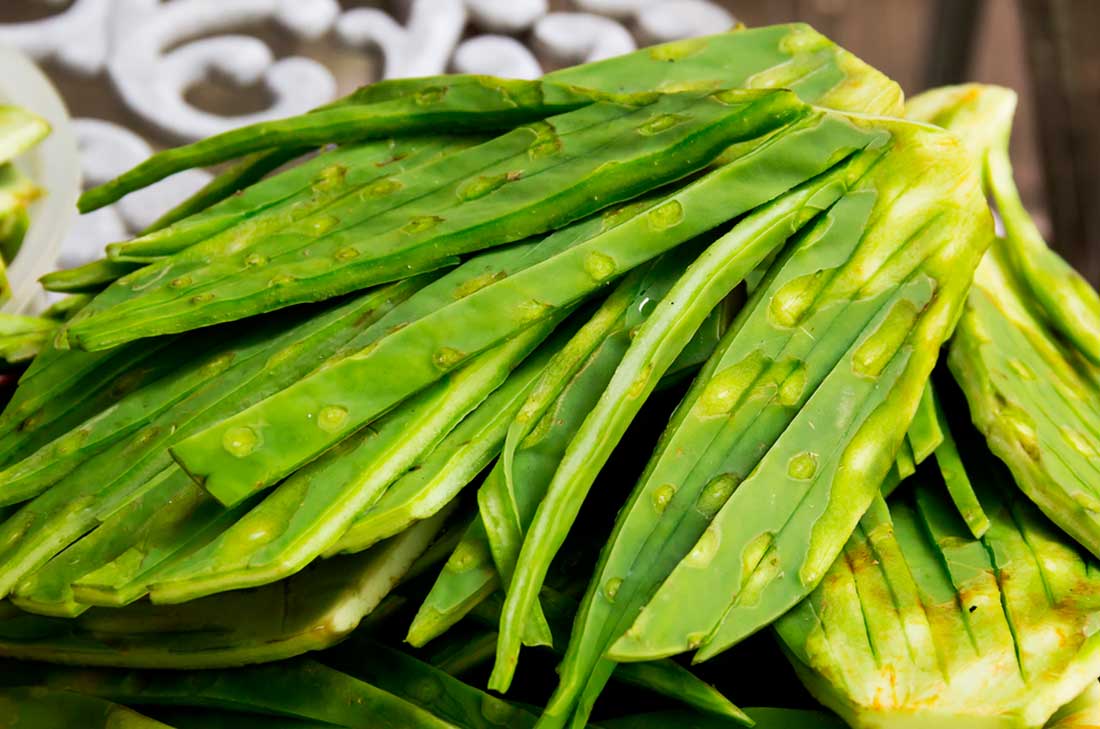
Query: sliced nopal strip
{"points": [[311, 510], [590, 258], [279, 353], [926, 245], [809, 308], [472, 102], [295, 194], [661, 339], [545, 176]]}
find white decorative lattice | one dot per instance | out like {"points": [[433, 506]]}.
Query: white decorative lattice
{"points": [[155, 51]]}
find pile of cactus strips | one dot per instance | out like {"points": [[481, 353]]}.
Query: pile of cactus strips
{"points": [[630, 362]]}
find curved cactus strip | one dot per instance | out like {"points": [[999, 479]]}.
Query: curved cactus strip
{"points": [[793, 56], [295, 194], [428, 687], [312, 610], [658, 342], [37, 708], [832, 480], [477, 103], [301, 689], [311, 510], [62, 389], [664, 677], [90, 278], [240, 176], [1032, 397], [544, 176], [590, 258], [926, 431], [468, 577], [1026, 345], [982, 116], [452, 464], [958, 483], [805, 310], [271, 357]]}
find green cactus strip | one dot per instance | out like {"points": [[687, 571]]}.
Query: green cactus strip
{"points": [[62, 389], [982, 116], [300, 689], [658, 342], [664, 677], [808, 319], [557, 171], [38, 708], [579, 270], [938, 242], [1032, 397], [450, 466], [477, 103], [791, 56], [428, 687], [311, 510], [956, 479], [89, 278], [315, 609], [295, 194], [925, 432], [240, 176], [269, 360]]}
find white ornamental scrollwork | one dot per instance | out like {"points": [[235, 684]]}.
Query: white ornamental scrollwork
{"points": [[153, 81]]}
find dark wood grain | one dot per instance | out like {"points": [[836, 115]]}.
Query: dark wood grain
{"points": [[1064, 59]]}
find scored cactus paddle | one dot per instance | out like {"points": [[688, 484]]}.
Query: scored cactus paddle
{"points": [[1026, 342], [966, 633]]}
